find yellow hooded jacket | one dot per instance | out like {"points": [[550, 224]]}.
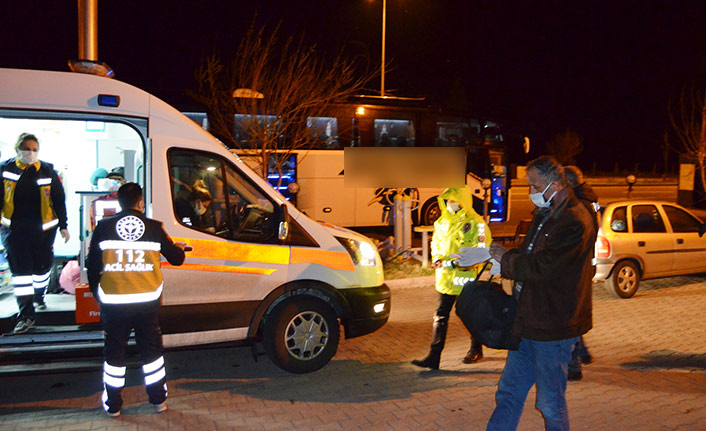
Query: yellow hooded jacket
{"points": [[465, 228]]}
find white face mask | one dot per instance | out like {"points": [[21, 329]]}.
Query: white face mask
{"points": [[27, 156], [538, 198], [200, 208], [453, 207]]}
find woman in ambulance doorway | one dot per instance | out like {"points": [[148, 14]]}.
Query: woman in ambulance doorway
{"points": [[32, 208]]}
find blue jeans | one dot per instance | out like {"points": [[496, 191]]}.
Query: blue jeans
{"points": [[545, 364]]}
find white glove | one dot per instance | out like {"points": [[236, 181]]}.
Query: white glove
{"points": [[469, 256]]}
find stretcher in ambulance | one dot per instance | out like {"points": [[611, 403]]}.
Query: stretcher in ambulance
{"points": [[259, 269]]}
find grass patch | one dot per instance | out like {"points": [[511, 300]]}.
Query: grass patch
{"points": [[405, 268]]}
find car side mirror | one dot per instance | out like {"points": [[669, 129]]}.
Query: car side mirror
{"points": [[702, 229], [283, 231]]}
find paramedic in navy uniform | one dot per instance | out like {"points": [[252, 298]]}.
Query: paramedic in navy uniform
{"points": [[124, 275], [33, 206]]}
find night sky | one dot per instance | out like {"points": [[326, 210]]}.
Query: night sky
{"points": [[605, 69]]}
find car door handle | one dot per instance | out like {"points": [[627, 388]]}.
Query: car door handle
{"points": [[680, 241], [641, 243]]}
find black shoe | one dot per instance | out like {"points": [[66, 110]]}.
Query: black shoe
{"points": [[114, 414], [161, 407], [40, 305], [586, 359], [430, 361], [23, 325], [575, 375], [473, 356]]}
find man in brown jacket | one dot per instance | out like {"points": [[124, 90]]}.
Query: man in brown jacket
{"points": [[553, 272]]}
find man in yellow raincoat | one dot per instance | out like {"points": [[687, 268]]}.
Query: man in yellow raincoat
{"points": [[458, 226]]}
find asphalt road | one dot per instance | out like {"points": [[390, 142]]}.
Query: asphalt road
{"points": [[649, 374]]}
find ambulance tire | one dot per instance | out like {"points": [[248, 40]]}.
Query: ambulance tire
{"points": [[301, 334]]}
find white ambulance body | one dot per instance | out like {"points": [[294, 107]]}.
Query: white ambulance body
{"points": [[259, 268]]}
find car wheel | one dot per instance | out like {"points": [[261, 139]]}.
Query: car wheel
{"points": [[301, 334], [430, 212], [623, 280]]}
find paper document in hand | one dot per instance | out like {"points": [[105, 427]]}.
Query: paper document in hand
{"points": [[495, 269], [469, 256]]}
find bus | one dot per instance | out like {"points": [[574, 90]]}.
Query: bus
{"points": [[313, 179]]}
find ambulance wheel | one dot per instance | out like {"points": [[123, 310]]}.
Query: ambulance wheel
{"points": [[301, 335], [430, 212]]}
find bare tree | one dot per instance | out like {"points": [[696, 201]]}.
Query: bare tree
{"points": [[689, 123], [276, 88], [565, 146]]}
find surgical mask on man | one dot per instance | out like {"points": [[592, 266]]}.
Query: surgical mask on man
{"points": [[28, 156], [538, 198], [200, 208], [453, 207]]}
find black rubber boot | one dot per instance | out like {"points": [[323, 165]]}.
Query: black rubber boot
{"points": [[475, 354], [437, 344]]}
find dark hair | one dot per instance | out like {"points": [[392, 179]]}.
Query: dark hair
{"points": [[24, 137], [574, 176], [548, 168], [129, 194], [201, 194]]}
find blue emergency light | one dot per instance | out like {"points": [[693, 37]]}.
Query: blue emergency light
{"points": [[109, 100]]}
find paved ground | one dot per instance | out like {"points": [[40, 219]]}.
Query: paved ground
{"points": [[649, 374]]}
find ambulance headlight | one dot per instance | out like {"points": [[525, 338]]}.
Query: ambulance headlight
{"points": [[362, 252], [367, 253]]}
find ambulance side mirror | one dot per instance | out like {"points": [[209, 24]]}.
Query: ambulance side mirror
{"points": [[283, 231]]}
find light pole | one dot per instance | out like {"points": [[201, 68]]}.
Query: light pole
{"points": [[382, 65]]}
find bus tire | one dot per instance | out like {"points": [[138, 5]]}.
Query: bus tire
{"points": [[430, 212], [301, 334]]}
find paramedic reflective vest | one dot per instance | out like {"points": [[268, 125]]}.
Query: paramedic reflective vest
{"points": [[124, 258], [464, 228], [53, 207]]}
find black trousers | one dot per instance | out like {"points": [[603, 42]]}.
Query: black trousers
{"points": [[443, 310], [445, 304], [118, 321], [30, 254]]}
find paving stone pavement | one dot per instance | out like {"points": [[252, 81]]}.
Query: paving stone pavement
{"points": [[649, 374]]}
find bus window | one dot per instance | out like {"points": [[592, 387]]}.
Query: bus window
{"points": [[394, 133], [324, 132], [456, 134], [244, 128]]}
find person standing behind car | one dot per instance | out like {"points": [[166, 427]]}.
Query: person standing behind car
{"points": [[585, 193], [124, 275], [33, 207], [553, 273], [458, 226]]}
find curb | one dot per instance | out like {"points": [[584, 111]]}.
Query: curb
{"points": [[412, 282]]}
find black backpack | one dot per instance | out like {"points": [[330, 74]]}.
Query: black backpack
{"points": [[488, 313]]}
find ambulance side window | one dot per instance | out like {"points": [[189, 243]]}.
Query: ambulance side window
{"points": [[212, 196], [197, 189], [252, 214]]}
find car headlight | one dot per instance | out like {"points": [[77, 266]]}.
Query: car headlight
{"points": [[362, 252]]}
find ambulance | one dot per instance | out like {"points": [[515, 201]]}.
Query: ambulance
{"points": [[260, 272]]}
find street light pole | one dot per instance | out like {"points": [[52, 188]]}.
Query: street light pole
{"points": [[382, 65]]}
